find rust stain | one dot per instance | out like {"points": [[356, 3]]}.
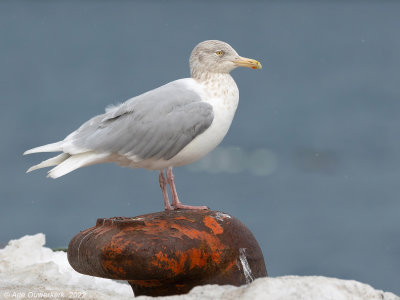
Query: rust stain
{"points": [[161, 257], [197, 258], [182, 260], [230, 265], [215, 245], [164, 226], [184, 218], [213, 225], [109, 266], [175, 265], [196, 234]]}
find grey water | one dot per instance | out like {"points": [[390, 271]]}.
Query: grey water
{"points": [[311, 163]]}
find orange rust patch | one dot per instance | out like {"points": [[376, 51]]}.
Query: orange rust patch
{"points": [[177, 265], [184, 218], [197, 259], [119, 241], [210, 239], [213, 225], [230, 265], [109, 266], [161, 258], [114, 247]]}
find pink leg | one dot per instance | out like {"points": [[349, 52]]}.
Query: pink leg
{"points": [[163, 185], [175, 200]]}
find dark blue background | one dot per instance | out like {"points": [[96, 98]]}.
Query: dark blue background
{"points": [[311, 163]]}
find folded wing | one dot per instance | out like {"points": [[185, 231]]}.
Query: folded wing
{"points": [[155, 125]]}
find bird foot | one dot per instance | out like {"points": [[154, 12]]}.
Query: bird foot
{"points": [[168, 208], [183, 206]]}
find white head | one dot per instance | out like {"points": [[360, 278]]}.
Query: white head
{"points": [[217, 57]]}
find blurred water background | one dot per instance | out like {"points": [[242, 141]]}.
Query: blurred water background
{"points": [[311, 163]]}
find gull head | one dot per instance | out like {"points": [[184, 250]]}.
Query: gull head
{"points": [[217, 57]]}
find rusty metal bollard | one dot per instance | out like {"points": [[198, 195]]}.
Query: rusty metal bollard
{"points": [[169, 252]]}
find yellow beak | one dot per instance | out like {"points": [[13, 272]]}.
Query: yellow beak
{"points": [[247, 62]]}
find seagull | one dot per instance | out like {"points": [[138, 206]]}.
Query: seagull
{"points": [[173, 125]]}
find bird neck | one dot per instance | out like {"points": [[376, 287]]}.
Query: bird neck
{"points": [[203, 77], [219, 85]]}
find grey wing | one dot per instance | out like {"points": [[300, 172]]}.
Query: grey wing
{"points": [[157, 124]]}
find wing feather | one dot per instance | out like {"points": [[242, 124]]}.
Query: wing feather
{"points": [[157, 124]]}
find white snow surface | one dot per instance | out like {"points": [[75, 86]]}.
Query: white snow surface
{"points": [[28, 270]]}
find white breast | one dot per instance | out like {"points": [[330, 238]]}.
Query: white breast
{"points": [[221, 92]]}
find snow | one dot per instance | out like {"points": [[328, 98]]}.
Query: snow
{"points": [[26, 266], [28, 270]]}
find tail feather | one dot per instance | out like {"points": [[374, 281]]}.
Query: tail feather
{"points": [[77, 161], [54, 147], [54, 161]]}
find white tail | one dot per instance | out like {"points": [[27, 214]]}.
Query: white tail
{"points": [[54, 147], [77, 161], [65, 162], [54, 161]]}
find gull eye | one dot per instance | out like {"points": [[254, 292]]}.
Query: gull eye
{"points": [[219, 52]]}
